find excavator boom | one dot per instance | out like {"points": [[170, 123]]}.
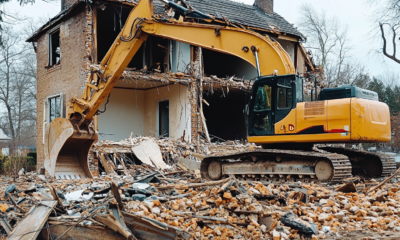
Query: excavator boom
{"points": [[68, 140]]}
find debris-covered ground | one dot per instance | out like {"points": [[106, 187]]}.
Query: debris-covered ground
{"points": [[147, 202]]}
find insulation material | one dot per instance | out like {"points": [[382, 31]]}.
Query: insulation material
{"points": [[149, 152]]}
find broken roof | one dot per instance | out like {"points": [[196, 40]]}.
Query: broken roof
{"points": [[234, 12], [247, 15]]}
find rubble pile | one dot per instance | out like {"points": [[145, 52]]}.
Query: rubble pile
{"points": [[181, 202], [160, 198], [172, 149]]}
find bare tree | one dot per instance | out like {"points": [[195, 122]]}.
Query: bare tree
{"points": [[387, 19], [17, 88], [328, 40]]}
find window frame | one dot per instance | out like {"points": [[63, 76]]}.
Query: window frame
{"points": [[50, 37], [46, 110], [277, 97]]}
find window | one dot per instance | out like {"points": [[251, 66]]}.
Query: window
{"points": [[285, 97], [54, 47], [299, 89], [263, 98], [53, 108]]}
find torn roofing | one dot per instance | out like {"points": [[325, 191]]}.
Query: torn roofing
{"points": [[247, 15]]}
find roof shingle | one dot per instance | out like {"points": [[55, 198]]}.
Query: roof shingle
{"points": [[247, 15]]}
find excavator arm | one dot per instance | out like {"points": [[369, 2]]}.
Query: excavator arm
{"points": [[68, 140]]}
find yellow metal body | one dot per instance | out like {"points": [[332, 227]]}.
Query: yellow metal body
{"points": [[339, 120]]}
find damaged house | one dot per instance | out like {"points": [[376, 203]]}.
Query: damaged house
{"points": [[170, 89]]}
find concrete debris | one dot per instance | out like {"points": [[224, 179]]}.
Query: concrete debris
{"points": [[149, 153]]}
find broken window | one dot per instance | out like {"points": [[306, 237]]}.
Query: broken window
{"points": [[54, 47]]}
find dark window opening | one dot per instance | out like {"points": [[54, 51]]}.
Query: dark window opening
{"points": [[224, 117], [54, 107], [163, 114], [54, 48], [157, 54], [153, 53], [223, 65]]}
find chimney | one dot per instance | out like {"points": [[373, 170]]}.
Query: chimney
{"points": [[266, 5]]}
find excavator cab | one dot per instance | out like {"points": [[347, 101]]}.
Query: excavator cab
{"points": [[272, 98]]}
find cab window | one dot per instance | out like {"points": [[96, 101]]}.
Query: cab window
{"points": [[285, 97], [299, 89], [263, 98]]}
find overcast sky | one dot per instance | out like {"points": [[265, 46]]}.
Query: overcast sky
{"points": [[354, 13]]}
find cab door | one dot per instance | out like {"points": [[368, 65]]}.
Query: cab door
{"points": [[284, 98], [261, 119]]}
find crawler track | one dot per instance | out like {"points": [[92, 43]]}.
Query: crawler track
{"points": [[279, 166], [371, 164]]}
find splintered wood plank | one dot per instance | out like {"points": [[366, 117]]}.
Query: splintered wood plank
{"points": [[30, 227], [79, 233]]}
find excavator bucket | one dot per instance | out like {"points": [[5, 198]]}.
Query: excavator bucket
{"points": [[66, 150]]}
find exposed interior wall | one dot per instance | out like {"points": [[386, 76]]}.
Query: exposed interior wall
{"points": [[179, 110], [223, 65], [124, 115], [137, 112], [288, 46], [224, 117]]}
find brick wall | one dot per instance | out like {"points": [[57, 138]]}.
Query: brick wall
{"points": [[69, 77], [266, 5]]}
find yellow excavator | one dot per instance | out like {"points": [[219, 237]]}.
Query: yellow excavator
{"points": [[278, 118]]}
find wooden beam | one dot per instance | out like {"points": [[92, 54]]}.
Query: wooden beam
{"points": [[104, 163], [116, 222], [30, 227]]}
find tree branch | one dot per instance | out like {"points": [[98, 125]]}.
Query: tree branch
{"points": [[393, 57]]}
